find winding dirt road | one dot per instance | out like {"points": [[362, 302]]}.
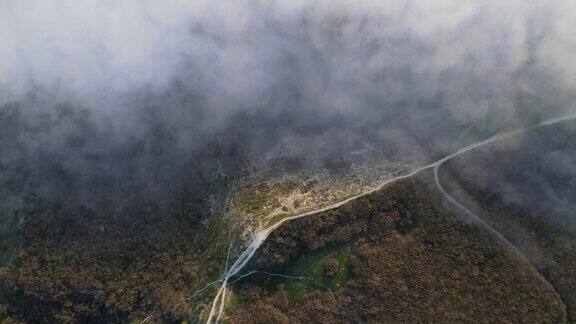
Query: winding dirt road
{"points": [[219, 301]]}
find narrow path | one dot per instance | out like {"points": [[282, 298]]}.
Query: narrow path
{"points": [[219, 301], [503, 239]]}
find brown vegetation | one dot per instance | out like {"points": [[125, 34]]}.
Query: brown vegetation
{"points": [[411, 261], [500, 183], [76, 267]]}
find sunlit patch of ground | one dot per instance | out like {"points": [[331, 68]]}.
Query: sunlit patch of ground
{"points": [[262, 201]]}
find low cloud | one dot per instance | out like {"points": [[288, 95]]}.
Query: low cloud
{"points": [[107, 99]]}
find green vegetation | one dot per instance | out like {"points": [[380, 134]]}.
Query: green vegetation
{"points": [[339, 276], [308, 273]]}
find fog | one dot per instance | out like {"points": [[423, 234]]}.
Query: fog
{"points": [[103, 102]]}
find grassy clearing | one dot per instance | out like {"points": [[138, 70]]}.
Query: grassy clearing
{"points": [[308, 273]]}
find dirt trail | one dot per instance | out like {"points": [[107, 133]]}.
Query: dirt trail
{"points": [[219, 301]]}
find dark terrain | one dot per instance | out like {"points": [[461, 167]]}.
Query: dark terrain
{"points": [[402, 254], [76, 267], [405, 254], [527, 193]]}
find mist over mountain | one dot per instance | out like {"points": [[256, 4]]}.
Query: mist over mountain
{"points": [[256, 161], [130, 96]]}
